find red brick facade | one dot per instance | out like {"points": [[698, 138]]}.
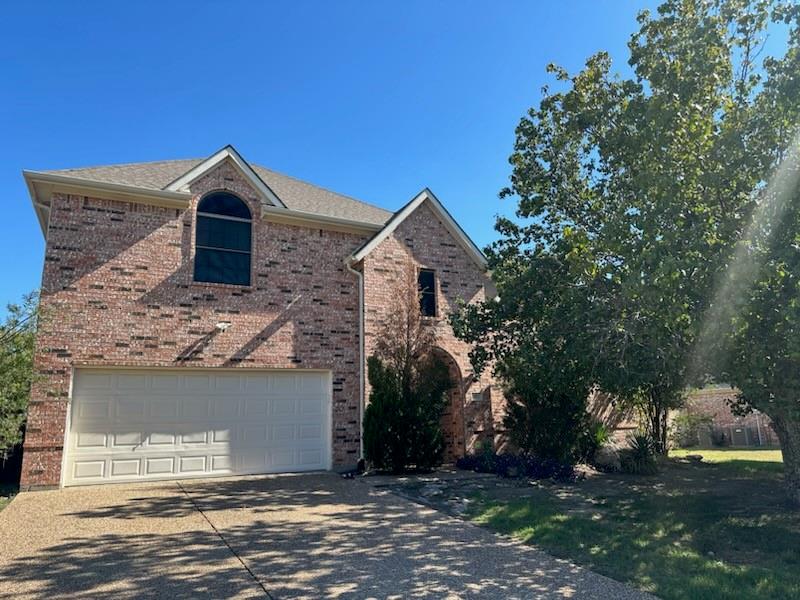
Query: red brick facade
{"points": [[118, 290], [752, 429], [474, 412]]}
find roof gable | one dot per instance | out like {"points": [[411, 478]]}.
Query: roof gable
{"points": [[401, 215], [227, 153]]}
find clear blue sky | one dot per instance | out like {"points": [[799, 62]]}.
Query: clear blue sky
{"points": [[372, 99]]}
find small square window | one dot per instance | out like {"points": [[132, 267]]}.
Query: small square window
{"points": [[477, 396], [426, 281]]}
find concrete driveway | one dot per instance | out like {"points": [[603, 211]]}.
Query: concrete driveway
{"points": [[304, 536]]}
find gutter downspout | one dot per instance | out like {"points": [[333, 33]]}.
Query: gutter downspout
{"points": [[361, 349]]}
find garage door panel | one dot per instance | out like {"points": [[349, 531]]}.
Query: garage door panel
{"points": [[195, 437], [310, 406], [256, 407], [95, 409], [128, 381], [192, 464], [162, 407], [282, 433], [130, 409], [228, 407], [257, 385], [284, 407], [158, 438], [282, 383], [135, 425], [197, 383], [310, 456], [125, 468], [221, 436], [126, 439], [254, 435], [159, 465], [96, 381], [253, 460], [88, 469], [227, 383], [165, 382], [221, 464]]}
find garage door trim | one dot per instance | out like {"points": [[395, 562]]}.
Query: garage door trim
{"points": [[269, 392]]}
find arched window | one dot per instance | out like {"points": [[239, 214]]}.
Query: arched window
{"points": [[223, 240]]}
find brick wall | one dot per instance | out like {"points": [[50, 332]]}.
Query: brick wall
{"points": [[117, 290], [753, 429], [422, 240]]}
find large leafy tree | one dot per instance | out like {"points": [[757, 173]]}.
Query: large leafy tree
{"points": [[17, 337], [637, 188]]}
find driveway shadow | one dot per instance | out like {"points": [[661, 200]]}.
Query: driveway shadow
{"points": [[311, 536]]}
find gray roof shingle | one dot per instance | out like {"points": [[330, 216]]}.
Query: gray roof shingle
{"points": [[295, 194]]}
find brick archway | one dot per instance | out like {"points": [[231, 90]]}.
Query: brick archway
{"points": [[452, 419]]}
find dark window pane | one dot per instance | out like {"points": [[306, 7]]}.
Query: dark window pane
{"points": [[427, 304], [221, 203], [220, 266], [426, 280], [221, 233]]}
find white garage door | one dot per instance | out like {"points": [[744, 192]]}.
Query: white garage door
{"points": [[155, 424]]}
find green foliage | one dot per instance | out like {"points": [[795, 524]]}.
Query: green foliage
{"points": [[686, 429], [401, 423], [17, 338], [630, 195], [409, 381], [639, 458], [593, 437]]}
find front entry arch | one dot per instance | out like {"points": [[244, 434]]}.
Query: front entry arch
{"points": [[452, 420]]}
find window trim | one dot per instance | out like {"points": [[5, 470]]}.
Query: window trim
{"points": [[195, 245], [432, 293]]}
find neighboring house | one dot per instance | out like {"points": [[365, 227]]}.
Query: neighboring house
{"points": [[209, 317], [725, 427]]}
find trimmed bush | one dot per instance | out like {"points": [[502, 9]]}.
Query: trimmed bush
{"points": [[516, 465]]}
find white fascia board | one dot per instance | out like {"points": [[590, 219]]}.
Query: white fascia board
{"points": [[450, 223], [42, 185], [227, 153], [68, 183]]}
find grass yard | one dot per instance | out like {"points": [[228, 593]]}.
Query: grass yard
{"points": [[7, 492], [694, 531]]}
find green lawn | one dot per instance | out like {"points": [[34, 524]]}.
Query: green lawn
{"points": [[7, 492], [694, 531], [743, 459]]}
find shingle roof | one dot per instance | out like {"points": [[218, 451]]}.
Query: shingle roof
{"points": [[296, 194]]}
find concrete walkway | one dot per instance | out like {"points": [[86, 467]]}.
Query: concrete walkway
{"points": [[309, 536]]}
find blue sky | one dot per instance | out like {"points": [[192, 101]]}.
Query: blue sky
{"points": [[372, 99]]}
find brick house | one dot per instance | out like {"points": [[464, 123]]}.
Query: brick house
{"points": [[211, 317], [713, 402]]}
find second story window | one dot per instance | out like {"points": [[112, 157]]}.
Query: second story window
{"points": [[426, 280], [223, 240]]}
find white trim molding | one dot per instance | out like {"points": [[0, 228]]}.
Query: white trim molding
{"points": [[449, 222], [41, 187], [227, 153]]}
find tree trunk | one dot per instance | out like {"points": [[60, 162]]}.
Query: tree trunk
{"points": [[788, 431], [657, 414]]}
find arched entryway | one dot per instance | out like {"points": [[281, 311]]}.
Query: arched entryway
{"points": [[452, 419]]}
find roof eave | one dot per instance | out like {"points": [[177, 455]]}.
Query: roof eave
{"points": [[394, 222], [42, 185], [227, 153]]}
